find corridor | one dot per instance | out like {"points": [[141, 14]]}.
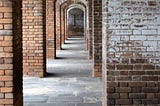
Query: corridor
{"points": [[69, 81]]}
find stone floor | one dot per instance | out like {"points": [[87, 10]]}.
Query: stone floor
{"points": [[69, 81]]}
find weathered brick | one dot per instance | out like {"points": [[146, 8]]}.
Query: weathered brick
{"points": [[6, 101], [110, 89], [124, 67], [5, 78], [136, 89], [6, 9], [137, 95], [150, 101], [9, 95], [123, 101], [123, 95], [123, 84], [150, 89], [150, 78], [123, 89], [110, 102], [152, 3], [137, 84], [6, 89], [113, 95], [150, 95]]}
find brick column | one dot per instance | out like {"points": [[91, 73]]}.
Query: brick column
{"points": [[50, 39], [97, 37], [131, 51], [17, 54], [63, 22], [90, 46], [66, 26], [58, 26], [34, 38], [10, 53]]}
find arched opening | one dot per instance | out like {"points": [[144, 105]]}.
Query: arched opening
{"points": [[73, 52], [75, 22], [69, 76]]}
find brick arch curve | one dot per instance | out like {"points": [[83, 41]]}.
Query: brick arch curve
{"points": [[82, 6], [79, 6]]}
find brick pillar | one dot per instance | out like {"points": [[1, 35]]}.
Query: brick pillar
{"points": [[10, 53], [90, 48], [63, 22], [17, 54], [131, 36], [50, 39], [97, 37], [34, 61], [58, 26], [66, 27]]}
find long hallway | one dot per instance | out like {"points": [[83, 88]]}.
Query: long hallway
{"points": [[69, 82]]}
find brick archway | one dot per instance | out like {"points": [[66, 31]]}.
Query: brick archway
{"points": [[71, 25]]}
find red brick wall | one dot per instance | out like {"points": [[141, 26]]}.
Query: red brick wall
{"points": [[131, 51], [97, 37], [34, 38], [50, 39], [10, 62]]}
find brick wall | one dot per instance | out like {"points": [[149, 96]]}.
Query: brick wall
{"points": [[58, 22], [131, 51], [34, 38], [97, 37], [50, 39], [10, 62]]}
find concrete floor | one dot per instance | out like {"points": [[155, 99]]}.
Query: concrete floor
{"points": [[69, 81]]}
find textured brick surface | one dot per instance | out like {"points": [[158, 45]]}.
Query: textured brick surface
{"points": [[131, 52], [6, 53], [90, 34], [50, 39], [58, 26], [10, 53], [33, 38], [63, 22], [97, 37]]}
